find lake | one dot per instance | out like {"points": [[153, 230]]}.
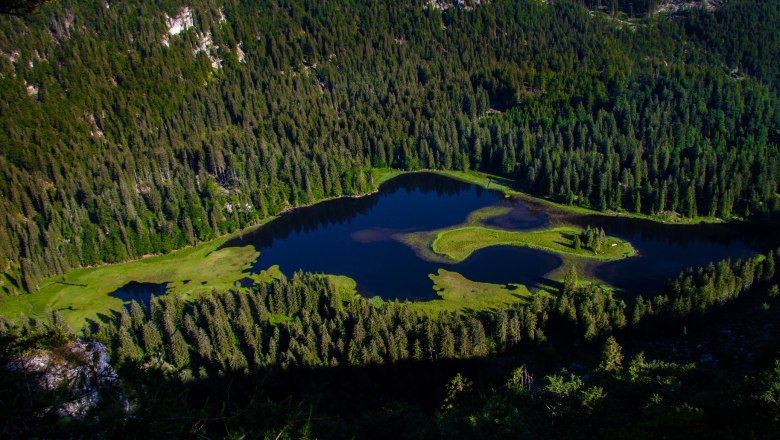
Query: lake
{"points": [[356, 237]]}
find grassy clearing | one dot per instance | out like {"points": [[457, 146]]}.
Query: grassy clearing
{"points": [[382, 175], [346, 288], [84, 293], [457, 294], [459, 243], [461, 295], [421, 241]]}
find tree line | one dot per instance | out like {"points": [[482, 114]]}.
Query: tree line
{"points": [[283, 336], [303, 322], [114, 145]]}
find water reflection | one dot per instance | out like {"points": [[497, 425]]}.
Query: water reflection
{"points": [[665, 249], [352, 237]]}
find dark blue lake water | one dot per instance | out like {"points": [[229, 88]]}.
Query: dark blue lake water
{"points": [[354, 237], [142, 293]]}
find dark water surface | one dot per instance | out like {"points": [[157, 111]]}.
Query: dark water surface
{"points": [[140, 292], [353, 237], [665, 250]]}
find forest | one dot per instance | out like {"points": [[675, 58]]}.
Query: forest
{"points": [[297, 339], [120, 138], [136, 128]]}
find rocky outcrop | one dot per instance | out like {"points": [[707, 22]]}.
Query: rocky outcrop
{"points": [[460, 4], [80, 370], [672, 6], [178, 23]]}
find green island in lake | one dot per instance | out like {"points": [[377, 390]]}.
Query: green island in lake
{"points": [[459, 243], [85, 294], [414, 219]]}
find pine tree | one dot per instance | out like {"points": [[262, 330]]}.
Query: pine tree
{"points": [[180, 350], [611, 357]]}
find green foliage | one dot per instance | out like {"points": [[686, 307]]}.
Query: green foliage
{"points": [[114, 145], [744, 33], [593, 310], [611, 356], [291, 331], [699, 290], [769, 387], [521, 380], [458, 243], [303, 322], [457, 386], [119, 140], [561, 386], [236, 331], [22, 336]]}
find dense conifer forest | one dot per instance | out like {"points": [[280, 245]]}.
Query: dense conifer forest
{"points": [[298, 339], [121, 137], [130, 128]]}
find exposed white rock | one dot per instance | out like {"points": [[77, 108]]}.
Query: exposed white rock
{"points": [[12, 57], [240, 53], [178, 24], [81, 368], [206, 45], [222, 18], [230, 207], [673, 6], [96, 131], [447, 4], [181, 22], [32, 90]]}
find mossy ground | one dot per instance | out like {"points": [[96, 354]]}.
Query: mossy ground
{"points": [[457, 294]]}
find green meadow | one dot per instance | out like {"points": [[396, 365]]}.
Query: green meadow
{"points": [[459, 294], [84, 294]]}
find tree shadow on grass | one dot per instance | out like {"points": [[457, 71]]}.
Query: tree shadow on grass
{"points": [[548, 284], [102, 318]]}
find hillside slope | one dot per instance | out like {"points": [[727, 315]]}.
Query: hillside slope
{"points": [[131, 128]]}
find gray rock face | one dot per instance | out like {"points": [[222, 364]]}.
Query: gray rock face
{"points": [[680, 5], [80, 369]]}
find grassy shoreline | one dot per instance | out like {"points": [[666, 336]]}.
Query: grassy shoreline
{"points": [[83, 293], [458, 294]]}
